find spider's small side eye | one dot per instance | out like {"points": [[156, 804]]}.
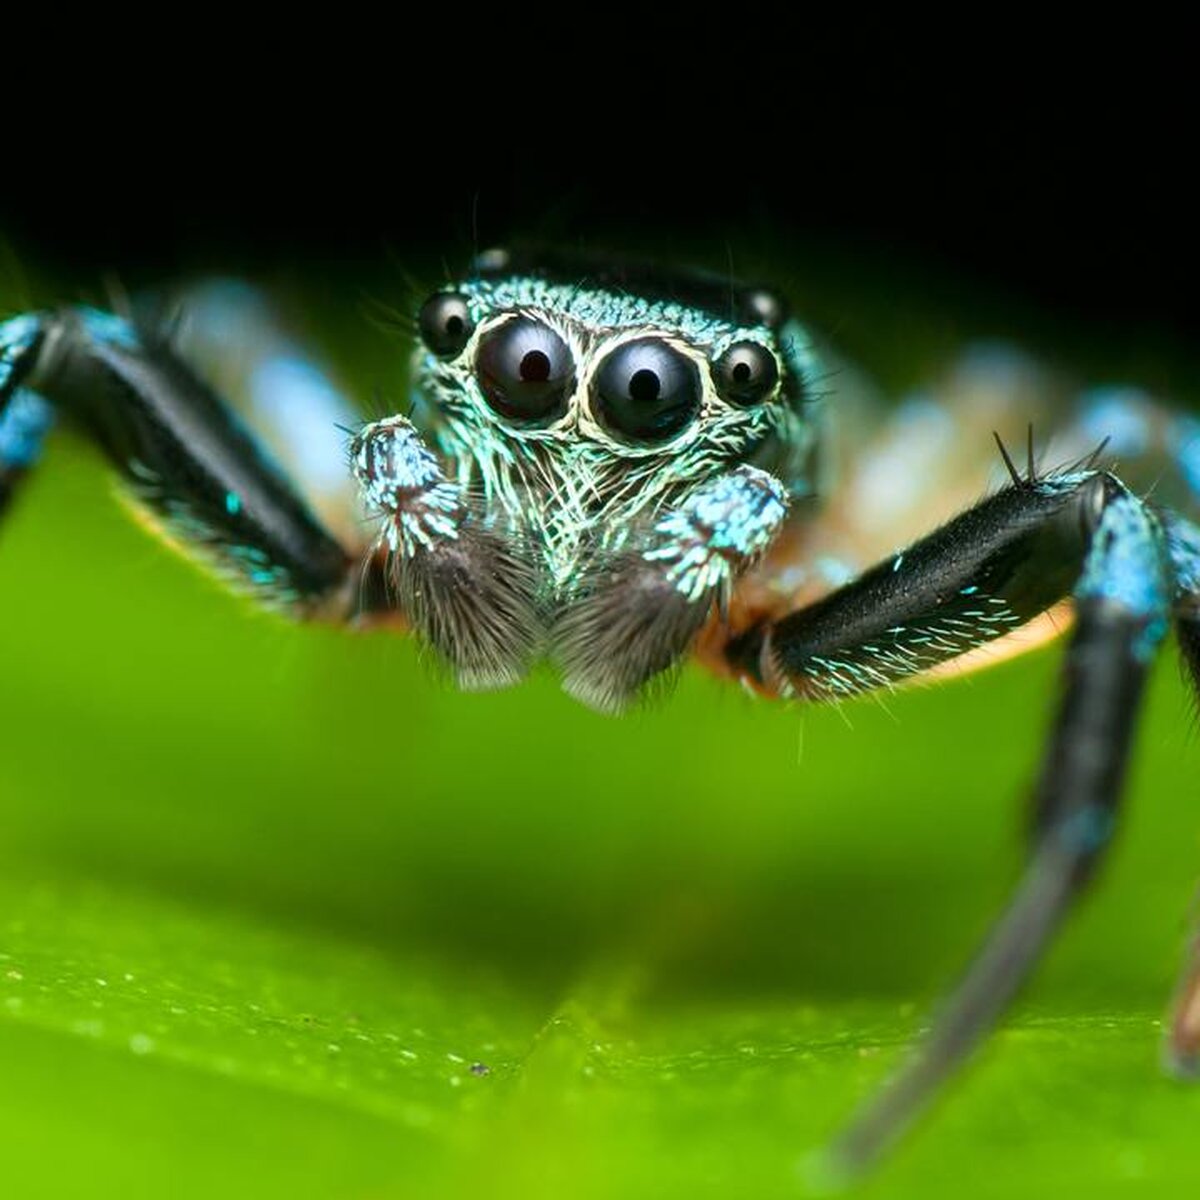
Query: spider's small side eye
{"points": [[445, 323], [763, 307], [745, 374], [525, 370], [646, 390]]}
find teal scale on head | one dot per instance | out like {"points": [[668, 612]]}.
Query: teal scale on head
{"points": [[568, 476], [629, 443]]}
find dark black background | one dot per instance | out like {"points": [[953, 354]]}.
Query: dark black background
{"points": [[1064, 205]]}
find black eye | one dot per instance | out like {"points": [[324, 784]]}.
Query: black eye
{"points": [[745, 374], [525, 370], [446, 324], [646, 390]]}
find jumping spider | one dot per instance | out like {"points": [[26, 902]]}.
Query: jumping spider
{"points": [[607, 466]]}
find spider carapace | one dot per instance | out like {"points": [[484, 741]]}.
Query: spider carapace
{"points": [[608, 466]]}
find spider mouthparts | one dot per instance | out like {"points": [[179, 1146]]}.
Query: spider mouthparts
{"points": [[475, 601]]}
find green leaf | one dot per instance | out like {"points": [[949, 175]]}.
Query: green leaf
{"points": [[283, 915]]}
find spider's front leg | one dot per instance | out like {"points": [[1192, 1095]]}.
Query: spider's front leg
{"points": [[467, 587], [183, 452], [989, 570], [638, 612]]}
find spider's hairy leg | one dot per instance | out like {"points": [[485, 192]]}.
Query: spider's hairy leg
{"points": [[469, 589], [892, 471], [638, 612], [25, 418], [182, 451], [1158, 447], [995, 566], [889, 472]]}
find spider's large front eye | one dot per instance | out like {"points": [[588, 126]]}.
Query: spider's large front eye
{"points": [[646, 390], [525, 370], [445, 323], [745, 374]]}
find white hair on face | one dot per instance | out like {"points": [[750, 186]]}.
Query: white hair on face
{"points": [[570, 490]]}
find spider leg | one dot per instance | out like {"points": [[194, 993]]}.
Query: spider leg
{"points": [[25, 418], [185, 455], [239, 342], [469, 590], [889, 472], [993, 567]]}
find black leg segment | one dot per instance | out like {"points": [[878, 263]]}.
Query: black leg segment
{"points": [[180, 448], [996, 566], [975, 579]]}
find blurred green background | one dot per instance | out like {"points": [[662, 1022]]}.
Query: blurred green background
{"points": [[281, 915]]}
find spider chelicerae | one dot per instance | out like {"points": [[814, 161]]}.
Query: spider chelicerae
{"points": [[608, 466]]}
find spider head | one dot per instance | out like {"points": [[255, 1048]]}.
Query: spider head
{"points": [[579, 401], [611, 449]]}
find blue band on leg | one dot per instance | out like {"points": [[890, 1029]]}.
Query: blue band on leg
{"points": [[1127, 566], [1183, 548], [25, 418], [23, 428], [18, 338]]}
